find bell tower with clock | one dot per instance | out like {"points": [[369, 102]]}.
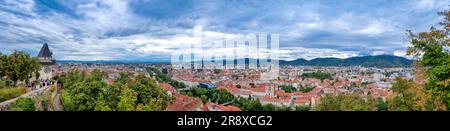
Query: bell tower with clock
{"points": [[46, 60]]}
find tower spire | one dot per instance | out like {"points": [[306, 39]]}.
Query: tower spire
{"points": [[45, 52]]}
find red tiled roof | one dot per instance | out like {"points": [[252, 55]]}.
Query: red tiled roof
{"points": [[262, 87], [167, 86], [370, 86], [302, 100], [274, 99], [230, 108], [214, 106], [184, 103], [258, 89]]}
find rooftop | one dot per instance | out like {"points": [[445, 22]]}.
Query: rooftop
{"points": [[45, 52], [184, 103]]}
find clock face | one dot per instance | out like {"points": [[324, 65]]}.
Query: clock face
{"points": [[47, 70]]}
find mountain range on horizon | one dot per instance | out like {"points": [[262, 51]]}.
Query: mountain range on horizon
{"points": [[382, 61]]}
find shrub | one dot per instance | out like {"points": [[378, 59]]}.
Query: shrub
{"points": [[9, 93], [24, 104], [2, 84]]}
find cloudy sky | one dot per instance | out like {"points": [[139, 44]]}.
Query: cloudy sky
{"points": [[150, 30]]}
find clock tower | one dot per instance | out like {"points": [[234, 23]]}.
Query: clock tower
{"points": [[46, 60]]}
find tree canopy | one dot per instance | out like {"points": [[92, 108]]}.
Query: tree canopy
{"points": [[432, 52], [89, 92], [18, 66], [318, 75]]}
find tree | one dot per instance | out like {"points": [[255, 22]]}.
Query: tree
{"points": [[177, 84], [101, 105], [431, 50], [268, 107], [381, 105], [153, 105], [147, 89], [127, 101], [2, 84], [302, 108], [66, 99], [111, 95], [346, 102], [204, 98], [18, 66], [3, 64], [88, 92], [83, 91], [318, 75], [410, 96], [24, 104], [217, 71], [288, 88], [306, 89]]}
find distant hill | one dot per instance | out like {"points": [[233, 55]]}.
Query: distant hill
{"points": [[381, 61]]}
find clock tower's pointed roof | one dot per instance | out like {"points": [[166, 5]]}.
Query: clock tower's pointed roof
{"points": [[45, 52], [45, 56]]}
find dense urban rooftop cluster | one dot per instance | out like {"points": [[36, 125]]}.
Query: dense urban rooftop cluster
{"points": [[247, 83], [295, 86]]}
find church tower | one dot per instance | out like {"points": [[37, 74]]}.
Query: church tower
{"points": [[46, 60]]}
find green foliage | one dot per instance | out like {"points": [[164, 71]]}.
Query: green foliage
{"points": [[153, 105], [270, 107], [222, 96], [9, 93], [214, 95], [346, 102], [178, 84], [318, 75], [85, 94], [217, 71], [381, 105], [89, 92], [164, 78], [101, 105], [288, 88], [306, 89], [147, 90], [128, 100], [302, 108], [398, 103], [433, 50], [2, 84], [409, 97], [248, 105], [68, 103], [24, 104], [364, 84], [380, 61], [18, 66], [159, 75], [3, 64], [43, 102]]}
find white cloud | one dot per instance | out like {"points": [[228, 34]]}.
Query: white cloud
{"points": [[373, 29], [426, 5], [379, 53], [400, 53], [293, 53], [110, 29]]}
